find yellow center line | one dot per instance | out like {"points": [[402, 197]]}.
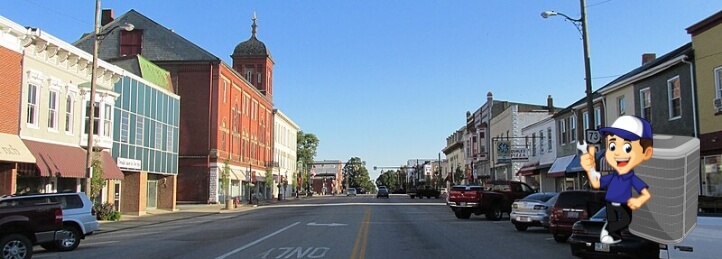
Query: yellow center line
{"points": [[359, 248]]}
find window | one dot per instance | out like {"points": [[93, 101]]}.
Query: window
{"points": [[549, 133], [96, 119], [597, 117], [562, 132], [249, 74], [139, 130], [32, 105], [53, 110], [158, 135], [718, 83], [225, 90], [541, 142], [645, 100], [258, 77], [124, 126], [674, 98], [533, 144], [621, 107], [69, 107], [131, 42], [169, 139], [572, 128], [585, 120], [107, 120]]}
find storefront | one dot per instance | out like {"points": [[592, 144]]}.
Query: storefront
{"points": [[712, 175], [12, 152]]}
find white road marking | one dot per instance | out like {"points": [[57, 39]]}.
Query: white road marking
{"points": [[99, 243], [326, 225], [257, 241]]}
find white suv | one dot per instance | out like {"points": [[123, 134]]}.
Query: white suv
{"points": [[79, 217]]}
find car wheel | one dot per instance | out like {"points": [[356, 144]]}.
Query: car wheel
{"points": [[71, 242], [412, 196], [16, 246], [560, 238], [494, 213], [521, 227]]}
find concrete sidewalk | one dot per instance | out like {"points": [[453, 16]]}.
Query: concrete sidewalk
{"points": [[185, 211]]}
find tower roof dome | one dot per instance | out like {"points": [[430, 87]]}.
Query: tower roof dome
{"points": [[252, 46]]}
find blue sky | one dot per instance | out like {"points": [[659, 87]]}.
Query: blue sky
{"points": [[388, 81]]}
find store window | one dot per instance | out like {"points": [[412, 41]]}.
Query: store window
{"points": [[712, 176]]}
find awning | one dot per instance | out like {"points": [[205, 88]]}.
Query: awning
{"points": [[110, 167], [68, 161], [559, 168], [528, 169], [58, 160], [575, 167], [12, 149]]}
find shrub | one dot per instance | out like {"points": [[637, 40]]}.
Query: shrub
{"points": [[106, 211]]}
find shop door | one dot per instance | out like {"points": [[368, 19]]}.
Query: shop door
{"points": [[152, 195]]}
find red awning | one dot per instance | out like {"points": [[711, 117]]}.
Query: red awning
{"points": [[528, 169], [58, 160], [110, 167], [68, 161]]}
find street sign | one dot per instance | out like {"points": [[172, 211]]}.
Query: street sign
{"points": [[593, 137]]}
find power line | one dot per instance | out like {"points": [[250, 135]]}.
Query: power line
{"points": [[57, 11], [602, 2]]}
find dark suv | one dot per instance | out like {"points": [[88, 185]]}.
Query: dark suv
{"points": [[383, 192], [570, 207]]}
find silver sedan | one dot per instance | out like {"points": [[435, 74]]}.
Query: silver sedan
{"points": [[532, 210]]}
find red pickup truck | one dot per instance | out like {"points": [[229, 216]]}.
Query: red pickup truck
{"points": [[24, 225], [492, 199]]}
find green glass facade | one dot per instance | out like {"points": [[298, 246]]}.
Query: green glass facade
{"points": [[146, 122]]}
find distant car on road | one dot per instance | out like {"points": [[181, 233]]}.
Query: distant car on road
{"points": [[532, 210], [383, 192], [351, 192]]}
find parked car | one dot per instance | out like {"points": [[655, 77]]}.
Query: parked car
{"points": [[584, 241], [383, 192], [23, 225], [532, 210], [705, 238], [493, 200], [351, 192], [79, 218], [570, 207]]}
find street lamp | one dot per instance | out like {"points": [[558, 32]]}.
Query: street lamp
{"points": [[581, 25], [97, 39]]}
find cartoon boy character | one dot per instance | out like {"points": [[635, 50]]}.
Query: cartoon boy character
{"points": [[629, 143]]}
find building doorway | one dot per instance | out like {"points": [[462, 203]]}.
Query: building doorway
{"points": [[152, 195]]}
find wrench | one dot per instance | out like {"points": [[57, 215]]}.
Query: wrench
{"points": [[583, 147]]}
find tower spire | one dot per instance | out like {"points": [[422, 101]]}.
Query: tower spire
{"points": [[253, 27]]}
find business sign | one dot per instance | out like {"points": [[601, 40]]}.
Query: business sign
{"points": [[506, 153], [126, 163]]}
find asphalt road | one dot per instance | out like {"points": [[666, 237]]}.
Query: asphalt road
{"points": [[326, 227]]}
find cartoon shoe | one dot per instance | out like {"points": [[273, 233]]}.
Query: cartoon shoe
{"points": [[605, 238]]}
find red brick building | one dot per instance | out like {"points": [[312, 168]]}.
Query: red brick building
{"points": [[226, 112]]}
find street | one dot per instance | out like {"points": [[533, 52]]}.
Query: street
{"points": [[325, 227]]}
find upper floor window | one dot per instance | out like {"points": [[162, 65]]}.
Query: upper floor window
{"points": [[597, 117], [562, 132], [32, 105], [572, 128], [107, 120], [131, 42], [139, 127], [621, 106], [533, 144], [96, 119], [169, 139], [225, 91], [124, 126], [53, 110], [585, 120], [645, 100], [549, 139], [541, 141], [674, 97], [249, 74], [718, 82], [69, 109], [158, 135]]}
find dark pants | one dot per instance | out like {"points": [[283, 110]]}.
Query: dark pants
{"points": [[618, 218]]}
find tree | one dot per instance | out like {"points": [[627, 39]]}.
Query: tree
{"points": [[389, 179], [358, 175], [306, 145], [458, 175], [97, 181], [226, 178]]}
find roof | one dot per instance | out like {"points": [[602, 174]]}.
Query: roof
{"points": [[705, 24], [159, 43], [252, 47]]}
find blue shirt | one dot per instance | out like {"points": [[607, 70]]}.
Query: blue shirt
{"points": [[619, 187]]}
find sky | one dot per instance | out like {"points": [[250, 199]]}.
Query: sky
{"points": [[389, 81]]}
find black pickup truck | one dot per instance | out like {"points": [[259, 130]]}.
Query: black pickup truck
{"points": [[24, 225]]}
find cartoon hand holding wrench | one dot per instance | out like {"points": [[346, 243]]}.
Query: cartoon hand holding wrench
{"points": [[587, 160]]}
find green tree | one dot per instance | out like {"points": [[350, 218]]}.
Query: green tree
{"points": [[97, 181], [226, 178], [358, 175], [306, 145], [458, 175]]}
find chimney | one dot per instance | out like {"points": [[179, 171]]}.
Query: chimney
{"points": [[489, 97], [106, 17], [647, 57], [550, 104]]}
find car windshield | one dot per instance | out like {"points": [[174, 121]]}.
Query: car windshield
{"points": [[539, 197]]}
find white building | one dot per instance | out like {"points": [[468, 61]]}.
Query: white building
{"points": [[539, 140], [285, 133]]}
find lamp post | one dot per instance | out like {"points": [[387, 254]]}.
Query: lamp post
{"points": [[582, 21], [97, 39]]}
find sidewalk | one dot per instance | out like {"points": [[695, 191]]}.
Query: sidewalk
{"points": [[185, 211]]}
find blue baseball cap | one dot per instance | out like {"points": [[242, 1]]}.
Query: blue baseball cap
{"points": [[630, 128]]}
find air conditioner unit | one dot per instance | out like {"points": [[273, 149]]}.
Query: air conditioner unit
{"points": [[717, 103]]}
